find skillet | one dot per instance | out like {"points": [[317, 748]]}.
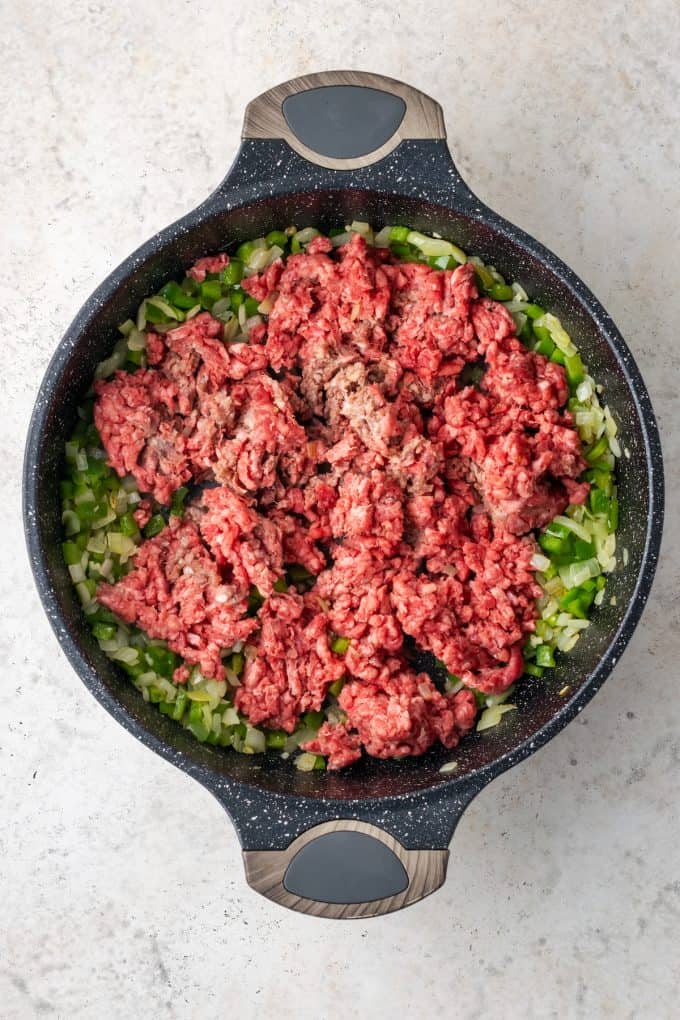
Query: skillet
{"points": [[323, 150]]}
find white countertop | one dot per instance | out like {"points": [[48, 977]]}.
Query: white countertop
{"points": [[122, 887]]}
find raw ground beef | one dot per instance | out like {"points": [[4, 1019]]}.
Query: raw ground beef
{"points": [[176, 592], [346, 439], [294, 667]]}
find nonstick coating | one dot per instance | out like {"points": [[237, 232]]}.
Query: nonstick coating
{"points": [[417, 185]]}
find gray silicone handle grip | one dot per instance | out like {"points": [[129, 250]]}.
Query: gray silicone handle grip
{"points": [[343, 119], [345, 869]]}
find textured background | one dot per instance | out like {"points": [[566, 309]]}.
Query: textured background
{"points": [[122, 890]]}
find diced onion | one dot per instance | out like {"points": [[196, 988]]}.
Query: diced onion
{"points": [[198, 695], [567, 620], [492, 716], [84, 593], [339, 239], [255, 739], [559, 335], [127, 655], [222, 309], [307, 234], [97, 544], [540, 562], [449, 766], [433, 247], [71, 522], [116, 360], [231, 329], [106, 568], [259, 259], [615, 446], [610, 425], [112, 645], [305, 762], [165, 307], [499, 699], [572, 525], [566, 642], [250, 323], [574, 574], [136, 340], [120, 545]]}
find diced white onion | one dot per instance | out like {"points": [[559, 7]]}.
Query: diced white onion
{"points": [[492, 716], [540, 562], [127, 655], [566, 642], [136, 340], [71, 522], [558, 334], [433, 247], [567, 620], [163, 306], [111, 645], [499, 699], [259, 259], [120, 545], [611, 426], [307, 234], [117, 358], [615, 446], [255, 739], [250, 323], [572, 525], [574, 574], [83, 593]]}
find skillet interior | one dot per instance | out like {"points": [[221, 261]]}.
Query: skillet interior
{"points": [[539, 702]]}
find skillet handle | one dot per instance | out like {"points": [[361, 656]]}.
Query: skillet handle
{"points": [[345, 869], [343, 120], [340, 858]]}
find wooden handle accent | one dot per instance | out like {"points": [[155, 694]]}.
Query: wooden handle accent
{"points": [[266, 870], [264, 116]]}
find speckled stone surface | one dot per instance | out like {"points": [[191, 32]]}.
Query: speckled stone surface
{"points": [[123, 889]]}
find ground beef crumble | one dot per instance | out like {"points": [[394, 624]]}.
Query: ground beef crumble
{"points": [[345, 440]]}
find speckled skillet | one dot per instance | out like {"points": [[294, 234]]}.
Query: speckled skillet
{"points": [[323, 150]]}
